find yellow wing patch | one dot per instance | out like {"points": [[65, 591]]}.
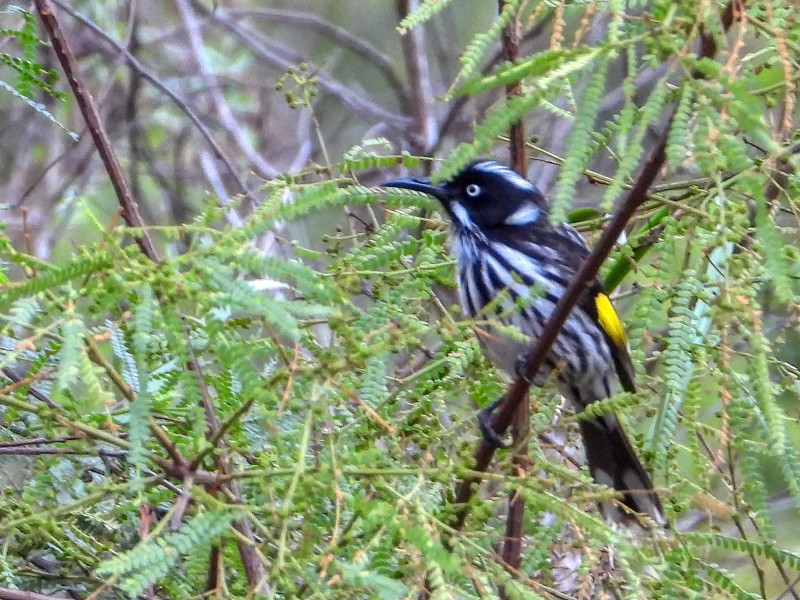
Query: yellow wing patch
{"points": [[609, 320]]}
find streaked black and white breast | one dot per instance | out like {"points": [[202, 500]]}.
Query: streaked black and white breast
{"points": [[513, 266]]}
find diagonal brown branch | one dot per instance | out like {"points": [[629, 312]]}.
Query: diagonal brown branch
{"points": [[247, 548], [88, 108], [9, 594]]}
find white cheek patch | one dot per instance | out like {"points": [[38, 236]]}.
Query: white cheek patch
{"points": [[526, 214], [462, 216]]}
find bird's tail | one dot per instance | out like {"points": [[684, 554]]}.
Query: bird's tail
{"points": [[613, 462]]}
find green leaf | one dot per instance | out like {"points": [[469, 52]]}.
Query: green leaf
{"points": [[69, 355], [578, 145], [139, 410], [777, 266], [153, 559]]}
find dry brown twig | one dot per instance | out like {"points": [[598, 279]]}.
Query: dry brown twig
{"points": [[130, 208], [511, 552], [254, 568], [151, 78]]}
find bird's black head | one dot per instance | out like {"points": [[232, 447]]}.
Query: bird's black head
{"points": [[484, 195]]}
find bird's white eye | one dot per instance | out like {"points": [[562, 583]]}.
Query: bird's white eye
{"points": [[473, 190]]}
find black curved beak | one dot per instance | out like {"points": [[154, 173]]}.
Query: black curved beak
{"points": [[418, 184]]}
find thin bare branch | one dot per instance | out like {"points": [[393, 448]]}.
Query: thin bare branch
{"points": [[223, 109], [382, 61], [358, 104], [511, 551], [9, 594], [151, 78], [426, 132], [130, 208]]}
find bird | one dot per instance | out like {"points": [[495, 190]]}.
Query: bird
{"points": [[513, 263]]}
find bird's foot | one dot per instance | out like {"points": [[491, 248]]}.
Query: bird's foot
{"points": [[520, 367], [490, 436]]}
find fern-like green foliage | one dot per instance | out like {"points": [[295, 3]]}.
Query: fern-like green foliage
{"points": [[477, 48], [69, 355], [542, 65], [780, 268], [579, 148], [424, 12], [679, 136], [30, 75], [54, 277], [630, 156], [142, 342], [305, 412], [152, 560]]}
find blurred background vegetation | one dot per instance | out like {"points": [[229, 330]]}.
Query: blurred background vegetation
{"points": [[281, 399]]}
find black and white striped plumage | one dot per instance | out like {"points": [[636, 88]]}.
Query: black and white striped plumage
{"points": [[513, 266]]}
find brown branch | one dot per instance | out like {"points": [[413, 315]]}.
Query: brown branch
{"points": [[148, 76], [425, 129], [224, 113], [8, 594], [359, 46], [516, 138], [38, 441], [457, 106], [97, 357], [253, 567], [511, 551], [88, 108], [50, 450], [145, 518], [18, 381], [217, 435], [359, 105]]}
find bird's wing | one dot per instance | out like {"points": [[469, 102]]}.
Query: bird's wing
{"points": [[612, 327], [597, 303]]}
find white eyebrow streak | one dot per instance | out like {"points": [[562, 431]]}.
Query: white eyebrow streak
{"points": [[526, 214], [512, 176]]}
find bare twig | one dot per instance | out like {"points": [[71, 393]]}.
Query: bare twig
{"points": [[425, 133], [38, 441], [148, 76], [145, 518], [511, 552], [50, 450], [223, 109], [130, 208], [382, 61], [8, 594], [358, 104], [458, 105], [253, 567]]}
